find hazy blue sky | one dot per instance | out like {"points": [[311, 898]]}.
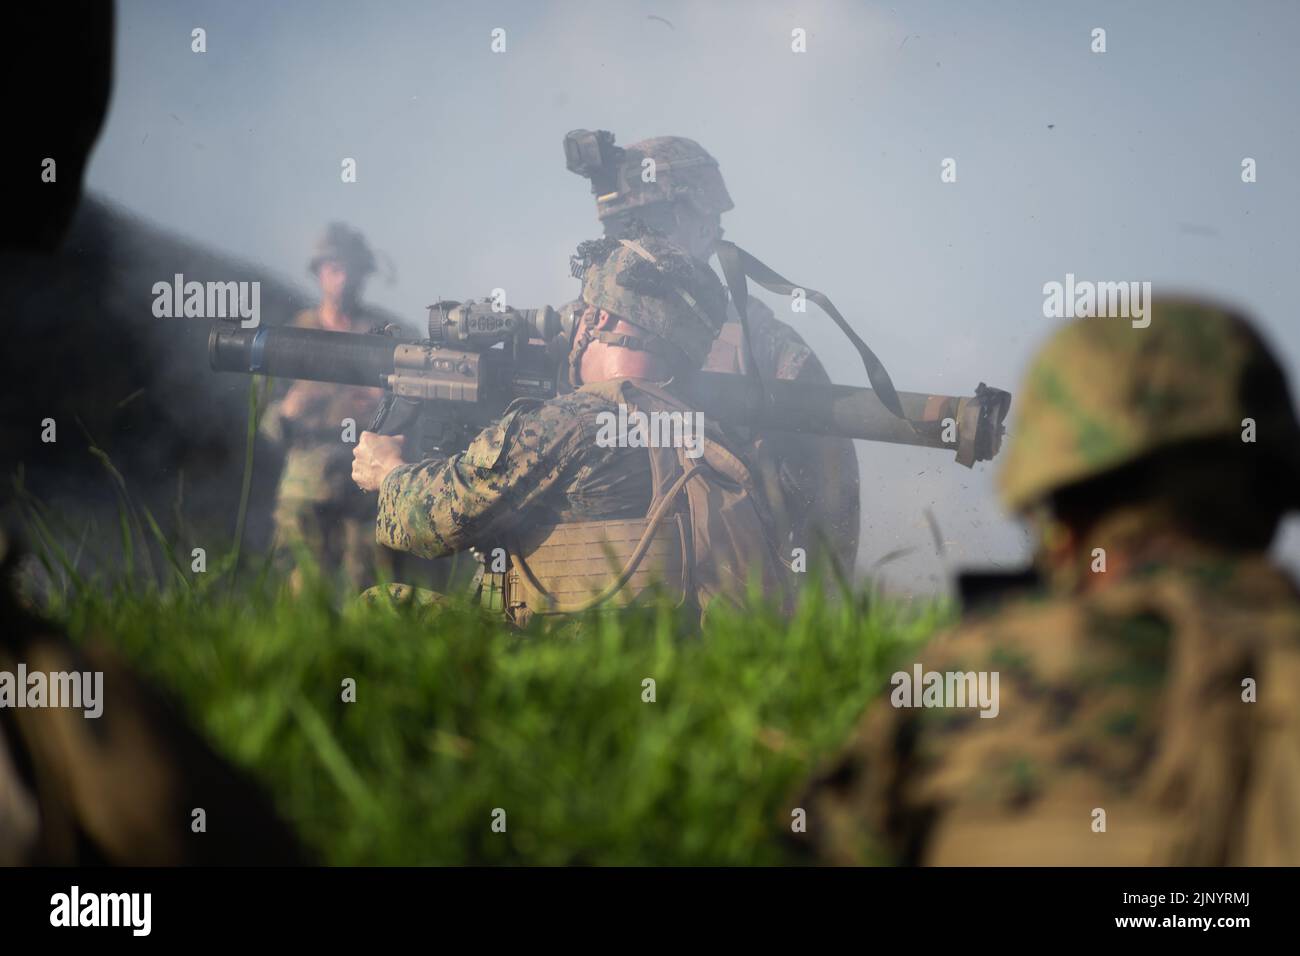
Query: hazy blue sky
{"points": [[1122, 165]]}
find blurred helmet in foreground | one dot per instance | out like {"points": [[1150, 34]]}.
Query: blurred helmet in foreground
{"points": [[1102, 394]]}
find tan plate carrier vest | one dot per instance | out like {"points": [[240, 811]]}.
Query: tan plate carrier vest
{"points": [[700, 549]]}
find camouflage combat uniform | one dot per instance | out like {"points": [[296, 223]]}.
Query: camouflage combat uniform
{"points": [[538, 465], [811, 482], [1124, 733], [540, 471], [318, 508]]}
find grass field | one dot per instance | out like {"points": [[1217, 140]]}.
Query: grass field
{"points": [[456, 716]]}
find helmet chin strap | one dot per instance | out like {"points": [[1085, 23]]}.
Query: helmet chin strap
{"points": [[584, 334], [588, 333]]}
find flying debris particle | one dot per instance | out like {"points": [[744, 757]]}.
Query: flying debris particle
{"points": [[1051, 126], [134, 395], [661, 20], [892, 556], [935, 533]]}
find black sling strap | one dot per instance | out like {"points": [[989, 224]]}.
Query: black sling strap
{"points": [[734, 273], [737, 264]]}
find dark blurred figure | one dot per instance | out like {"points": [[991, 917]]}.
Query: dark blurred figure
{"points": [[122, 788], [82, 346], [81, 341]]}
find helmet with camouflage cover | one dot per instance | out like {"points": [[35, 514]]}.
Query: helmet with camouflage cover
{"points": [[1102, 394], [650, 283], [682, 172], [341, 243]]}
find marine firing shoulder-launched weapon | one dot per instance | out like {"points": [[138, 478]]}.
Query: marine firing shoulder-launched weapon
{"points": [[444, 389]]}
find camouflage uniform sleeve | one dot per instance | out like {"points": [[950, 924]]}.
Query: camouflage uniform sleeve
{"points": [[849, 803], [1073, 727], [780, 350], [436, 508], [881, 799]]}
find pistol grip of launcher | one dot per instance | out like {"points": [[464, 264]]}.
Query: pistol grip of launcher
{"points": [[395, 416], [979, 424]]}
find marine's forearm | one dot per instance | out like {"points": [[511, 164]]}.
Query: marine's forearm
{"points": [[435, 508]]}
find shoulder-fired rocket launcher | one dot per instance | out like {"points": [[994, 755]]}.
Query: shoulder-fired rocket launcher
{"points": [[444, 389]]}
